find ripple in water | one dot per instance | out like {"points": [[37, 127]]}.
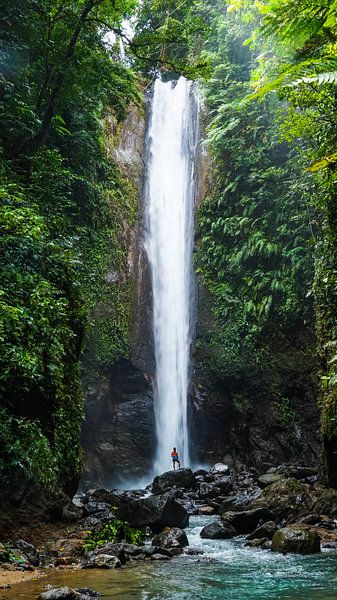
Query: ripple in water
{"points": [[227, 571]]}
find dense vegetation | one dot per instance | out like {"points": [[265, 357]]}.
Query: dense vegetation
{"points": [[62, 203], [267, 234], [272, 97]]}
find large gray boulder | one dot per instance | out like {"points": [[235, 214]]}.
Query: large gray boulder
{"points": [[155, 512], [102, 561], [208, 490], [217, 531], [180, 478], [266, 530], [173, 538], [292, 540], [245, 521]]}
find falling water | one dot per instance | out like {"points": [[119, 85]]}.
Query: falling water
{"points": [[170, 201]]}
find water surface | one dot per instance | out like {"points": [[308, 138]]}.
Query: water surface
{"points": [[227, 571]]}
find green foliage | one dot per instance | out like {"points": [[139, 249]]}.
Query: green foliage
{"points": [[114, 531], [25, 448], [63, 209], [169, 36], [254, 253]]}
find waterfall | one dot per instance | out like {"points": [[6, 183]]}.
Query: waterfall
{"points": [[172, 139]]}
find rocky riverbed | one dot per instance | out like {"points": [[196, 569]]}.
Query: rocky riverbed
{"points": [[285, 510]]}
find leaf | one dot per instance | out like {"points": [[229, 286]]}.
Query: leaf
{"points": [[323, 163]]}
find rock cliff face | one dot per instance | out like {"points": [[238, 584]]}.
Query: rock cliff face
{"points": [[118, 432], [241, 420], [257, 418]]}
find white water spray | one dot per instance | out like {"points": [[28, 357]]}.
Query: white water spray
{"points": [[169, 242]]}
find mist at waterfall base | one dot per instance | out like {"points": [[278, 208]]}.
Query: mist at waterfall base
{"points": [[169, 199]]}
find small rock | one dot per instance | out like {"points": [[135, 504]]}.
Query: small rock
{"points": [[94, 507], [193, 551], [148, 551], [268, 479], [102, 561], [206, 510], [110, 548], [159, 557], [220, 468], [88, 592], [65, 561], [64, 593], [8, 567], [256, 543], [200, 472]]}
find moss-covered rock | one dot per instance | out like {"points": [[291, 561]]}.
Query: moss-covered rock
{"points": [[291, 540]]}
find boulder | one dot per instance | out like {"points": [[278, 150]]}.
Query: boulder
{"points": [[173, 538], [29, 551], [97, 519], [102, 561], [268, 479], [149, 551], [217, 531], [73, 546], [4, 554], [88, 592], [292, 540], [159, 557], [64, 593], [266, 530], [256, 543], [110, 548], [206, 510], [220, 468], [181, 478], [297, 472], [155, 512], [200, 473], [90, 508], [208, 490], [63, 561], [225, 484], [287, 498], [245, 521], [234, 502], [100, 495]]}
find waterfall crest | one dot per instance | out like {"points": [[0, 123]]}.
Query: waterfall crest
{"points": [[170, 190]]}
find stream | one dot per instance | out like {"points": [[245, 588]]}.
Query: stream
{"points": [[226, 570]]}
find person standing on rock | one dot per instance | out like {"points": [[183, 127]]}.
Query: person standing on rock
{"points": [[175, 458]]}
